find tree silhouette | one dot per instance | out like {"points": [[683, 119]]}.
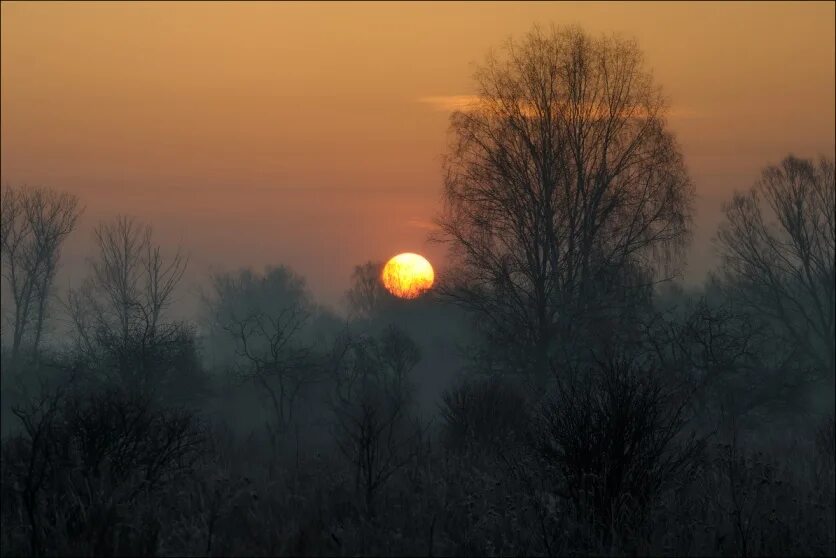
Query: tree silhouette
{"points": [[367, 294], [33, 226], [265, 318], [777, 243], [119, 313], [372, 400], [560, 180]]}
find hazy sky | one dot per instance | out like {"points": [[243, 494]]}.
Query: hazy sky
{"points": [[311, 134]]}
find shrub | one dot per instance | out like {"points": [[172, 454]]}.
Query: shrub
{"points": [[610, 440], [480, 414], [83, 476]]}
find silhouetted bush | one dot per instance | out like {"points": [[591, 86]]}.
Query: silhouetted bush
{"points": [[826, 444], [374, 427], [85, 475], [613, 438], [483, 414]]}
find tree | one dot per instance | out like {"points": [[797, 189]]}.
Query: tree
{"points": [[483, 415], [367, 294], [615, 439], [86, 460], [119, 312], [35, 223], [564, 190], [734, 365], [372, 399], [777, 245], [266, 317]]}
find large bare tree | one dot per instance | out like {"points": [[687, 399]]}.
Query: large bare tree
{"points": [[563, 185], [777, 243], [35, 223]]}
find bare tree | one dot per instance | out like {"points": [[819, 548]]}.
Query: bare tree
{"points": [[371, 406], [777, 243], [733, 364], [35, 223], [615, 439], [119, 311], [84, 461], [34, 458], [562, 180], [367, 293], [482, 415], [264, 317]]}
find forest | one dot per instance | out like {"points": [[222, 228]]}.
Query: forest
{"points": [[559, 391]]}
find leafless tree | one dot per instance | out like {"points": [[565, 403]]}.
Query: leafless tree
{"points": [[732, 364], [34, 458], [615, 439], [777, 243], [483, 414], [560, 179], [35, 223], [119, 310], [371, 406], [264, 317], [84, 461], [367, 292]]}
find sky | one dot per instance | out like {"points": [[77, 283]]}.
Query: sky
{"points": [[311, 134]]}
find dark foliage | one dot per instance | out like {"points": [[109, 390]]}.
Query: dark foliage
{"points": [[483, 415], [88, 469], [614, 437]]}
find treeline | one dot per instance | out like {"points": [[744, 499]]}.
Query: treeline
{"points": [[596, 406]]}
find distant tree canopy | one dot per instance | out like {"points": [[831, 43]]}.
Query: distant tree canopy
{"points": [[266, 320], [777, 243], [34, 222], [259, 313], [564, 189], [367, 293]]}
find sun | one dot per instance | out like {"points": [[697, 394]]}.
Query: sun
{"points": [[407, 275]]}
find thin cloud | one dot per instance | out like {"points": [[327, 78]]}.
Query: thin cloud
{"points": [[451, 103], [422, 224]]}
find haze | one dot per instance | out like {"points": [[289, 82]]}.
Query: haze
{"points": [[311, 134]]}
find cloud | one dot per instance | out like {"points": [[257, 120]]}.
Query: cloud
{"points": [[422, 224], [450, 103]]}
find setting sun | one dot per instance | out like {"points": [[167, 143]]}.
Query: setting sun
{"points": [[407, 275]]}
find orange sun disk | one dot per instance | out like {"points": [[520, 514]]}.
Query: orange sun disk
{"points": [[407, 275]]}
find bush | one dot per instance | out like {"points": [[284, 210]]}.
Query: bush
{"points": [[483, 414], [610, 440], [84, 476], [826, 445]]}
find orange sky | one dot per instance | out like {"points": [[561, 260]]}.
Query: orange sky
{"points": [[311, 134]]}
